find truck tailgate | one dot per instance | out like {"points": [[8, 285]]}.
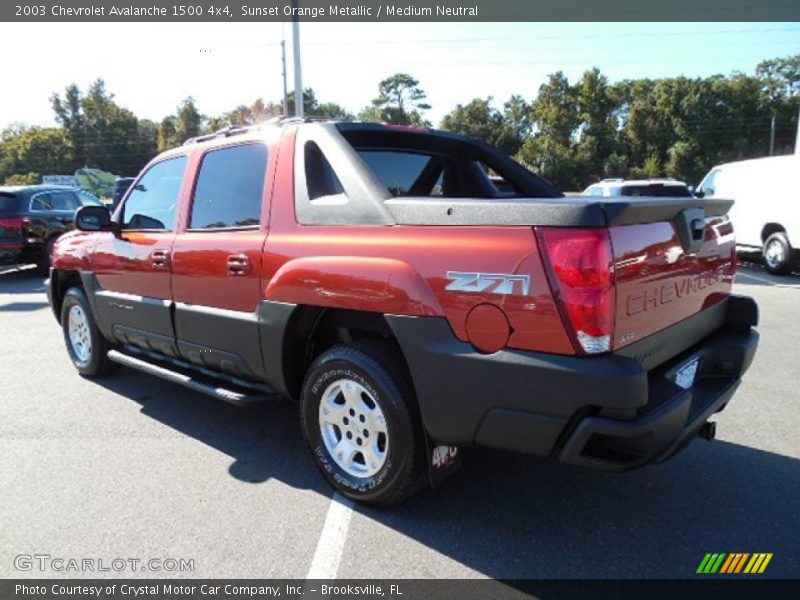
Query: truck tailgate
{"points": [[660, 282]]}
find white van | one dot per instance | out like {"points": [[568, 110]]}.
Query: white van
{"points": [[766, 212]]}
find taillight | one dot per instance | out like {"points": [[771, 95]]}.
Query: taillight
{"points": [[581, 270], [14, 223]]}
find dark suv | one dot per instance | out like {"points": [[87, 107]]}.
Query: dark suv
{"points": [[32, 217], [121, 186]]}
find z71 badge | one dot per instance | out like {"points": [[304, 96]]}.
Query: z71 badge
{"points": [[493, 283]]}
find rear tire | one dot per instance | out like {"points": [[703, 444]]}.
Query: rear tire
{"points": [[87, 348], [777, 253], [362, 425]]}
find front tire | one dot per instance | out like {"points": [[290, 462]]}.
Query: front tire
{"points": [[362, 425], [777, 254], [87, 348]]}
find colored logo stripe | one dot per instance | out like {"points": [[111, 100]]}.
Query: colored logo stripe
{"points": [[758, 563], [722, 562], [711, 563], [734, 563]]}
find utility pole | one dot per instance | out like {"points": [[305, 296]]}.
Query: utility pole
{"points": [[298, 74], [772, 136], [283, 63]]}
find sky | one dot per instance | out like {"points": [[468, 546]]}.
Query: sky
{"points": [[151, 67]]}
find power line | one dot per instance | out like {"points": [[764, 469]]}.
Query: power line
{"points": [[609, 35]]}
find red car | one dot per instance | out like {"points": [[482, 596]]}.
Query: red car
{"points": [[379, 276]]}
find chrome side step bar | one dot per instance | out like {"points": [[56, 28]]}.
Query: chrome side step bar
{"points": [[194, 382]]}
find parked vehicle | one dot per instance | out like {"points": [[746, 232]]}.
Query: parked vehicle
{"points": [[31, 219], [121, 186], [88, 198], [766, 215], [639, 187], [377, 275]]}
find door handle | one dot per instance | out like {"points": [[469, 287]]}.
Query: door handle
{"points": [[160, 258], [238, 265]]}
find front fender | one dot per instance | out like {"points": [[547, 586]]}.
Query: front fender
{"points": [[382, 285], [73, 251]]}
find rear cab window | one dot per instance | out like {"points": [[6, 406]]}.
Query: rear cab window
{"points": [[393, 166], [407, 173], [438, 166], [229, 190]]}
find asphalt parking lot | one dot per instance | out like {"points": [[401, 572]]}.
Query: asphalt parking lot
{"points": [[134, 467]]}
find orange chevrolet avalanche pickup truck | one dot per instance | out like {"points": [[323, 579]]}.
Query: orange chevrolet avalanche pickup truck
{"points": [[416, 292]]}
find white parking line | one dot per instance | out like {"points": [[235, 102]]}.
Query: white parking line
{"points": [[767, 281], [330, 547]]}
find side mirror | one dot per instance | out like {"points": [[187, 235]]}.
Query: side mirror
{"points": [[94, 218], [699, 194]]}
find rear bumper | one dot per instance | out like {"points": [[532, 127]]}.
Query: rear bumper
{"points": [[611, 412], [673, 416]]}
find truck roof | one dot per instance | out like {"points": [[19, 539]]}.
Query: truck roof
{"points": [[32, 189], [760, 161], [268, 129]]}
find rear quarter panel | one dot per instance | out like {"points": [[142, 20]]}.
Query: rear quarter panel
{"points": [[403, 269]]}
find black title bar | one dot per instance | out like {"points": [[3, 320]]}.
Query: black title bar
{"points": [[401, 11], [700, 588]]}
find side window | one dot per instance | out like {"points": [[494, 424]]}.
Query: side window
{"points": [[88, 200], [65, 201], [321, 179], [595, 190], [708, 188], [407, 173], [499, 184], [42, 202], [230, 188], [151, 204]]}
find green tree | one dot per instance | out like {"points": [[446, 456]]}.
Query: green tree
{"points": [[187, 122], [597, 112], [481, 120], [517, 120], [31, 178], [651, 168], [400, 101], [35, 151], [168, 134], [312, 107], [552, 150], [780, 78], [259, 111], [101, 133]]}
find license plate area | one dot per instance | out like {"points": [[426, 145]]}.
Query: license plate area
{"points": [[685, 374]]}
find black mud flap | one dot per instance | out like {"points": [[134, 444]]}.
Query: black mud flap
{"points": [[443, 461]]}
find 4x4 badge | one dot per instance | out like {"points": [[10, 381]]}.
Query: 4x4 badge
{"points": [[494, 283]]}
